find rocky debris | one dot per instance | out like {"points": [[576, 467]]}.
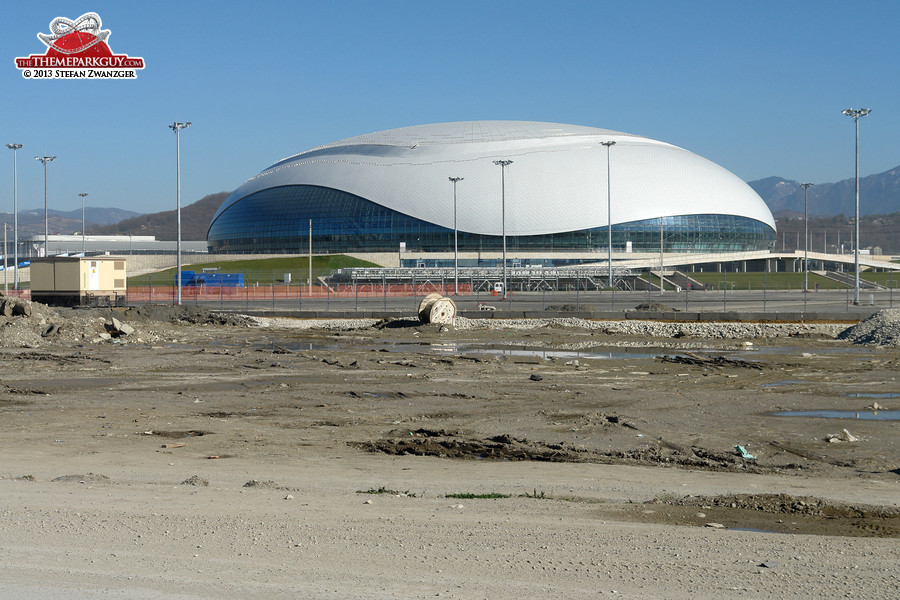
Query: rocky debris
{"points": [[195, 480], [570, 308], [26, 324], [89, 478], [10, 306], [267, 485], [117, 328], [880, 329], [718, 362], [636, 328], [843, 436], [255, 483], [199, 315], [444, 444], [781, 504], [639, 328], [654, 307]]}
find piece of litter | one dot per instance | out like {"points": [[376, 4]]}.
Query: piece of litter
{"points": [[843, 436], [744, 454], [715, 525]]}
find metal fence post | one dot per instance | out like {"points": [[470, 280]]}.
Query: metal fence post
{"points": [[724, 289], [577, 288]]}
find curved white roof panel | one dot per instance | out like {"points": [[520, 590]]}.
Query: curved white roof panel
{"points": [[557, 181]]}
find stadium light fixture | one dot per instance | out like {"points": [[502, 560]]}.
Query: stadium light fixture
{"points": [[455, 180], [503, 164], [177, 127], [82, 194], [805, 187], [856, 113], [14, 148], [609, 210], [45, 160]]}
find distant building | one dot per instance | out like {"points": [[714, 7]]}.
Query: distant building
{"points": [[102, 244], [389, 192]]}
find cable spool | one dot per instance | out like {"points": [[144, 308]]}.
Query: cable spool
{"points": [[443, 311], [424, 311]]}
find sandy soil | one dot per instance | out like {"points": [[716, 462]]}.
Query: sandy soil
{"points": [[191, 459]]}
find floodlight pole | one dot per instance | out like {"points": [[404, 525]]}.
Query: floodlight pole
{"points": [[503, 164], [14, 148], [805, 187], [609, 209], [83, 245], [455, 180], [177, 127], [856, 113], [45, 160]]}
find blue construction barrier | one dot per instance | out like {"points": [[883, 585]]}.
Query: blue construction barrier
{"points": [[192, 278]]}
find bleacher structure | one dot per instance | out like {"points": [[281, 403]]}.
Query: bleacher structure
{"points": [[525, 279]]}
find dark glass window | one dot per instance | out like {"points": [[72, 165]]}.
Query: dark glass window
{"points": [[276, 220]]}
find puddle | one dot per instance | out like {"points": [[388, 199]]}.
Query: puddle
{"points": [[783, 382], [601, 353], [875, 395], [618, 353], [863, 415]]}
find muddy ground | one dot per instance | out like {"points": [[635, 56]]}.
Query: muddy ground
{"points": [[404, 411]]}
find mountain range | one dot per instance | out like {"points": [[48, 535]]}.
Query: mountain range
{"points": [[831, 207], [878, 195]]}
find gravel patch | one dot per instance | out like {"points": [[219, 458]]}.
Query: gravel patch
{"points": [[712, 330], [881, 329]]}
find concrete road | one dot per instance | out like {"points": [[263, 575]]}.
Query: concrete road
{"points": [[836, 303]]}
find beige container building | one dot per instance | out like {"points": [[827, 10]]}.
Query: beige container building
{"points": [[79, 280]]}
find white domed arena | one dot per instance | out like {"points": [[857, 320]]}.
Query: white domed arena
{"points": [[391, 191]]}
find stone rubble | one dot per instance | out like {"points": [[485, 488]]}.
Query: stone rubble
{"points": [[25, 324], [881, 329]]}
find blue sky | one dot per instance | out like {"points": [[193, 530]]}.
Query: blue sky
{"points": [[757, 87]]}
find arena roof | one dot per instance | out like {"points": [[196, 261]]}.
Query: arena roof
{"points": [[557, 181]]}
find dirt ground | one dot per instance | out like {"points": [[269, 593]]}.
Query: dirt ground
{"points": [[203, 456]]}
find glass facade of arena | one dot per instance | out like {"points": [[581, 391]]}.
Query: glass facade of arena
{"points": [[276, 220]]}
